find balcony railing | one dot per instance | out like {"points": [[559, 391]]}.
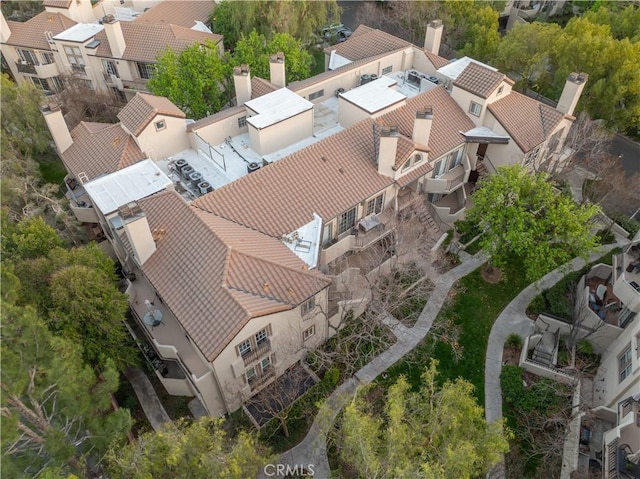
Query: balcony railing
{"points": [[266, 374], [26, 67], [261, 350]]}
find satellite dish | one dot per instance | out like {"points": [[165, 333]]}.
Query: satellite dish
{"points": [[153, 316]]}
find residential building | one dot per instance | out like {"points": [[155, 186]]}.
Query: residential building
{"points": [[245, 231], [108, 51]]}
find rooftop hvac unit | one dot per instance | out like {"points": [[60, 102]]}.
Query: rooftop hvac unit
{"points": [[204, 187], [338, 91], [186, 171], [253, 166], [195, 177], [181, 163], [374, 77], [364, 79]]}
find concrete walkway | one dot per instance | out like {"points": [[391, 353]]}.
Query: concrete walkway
{"points": [[148, 398], [514, 320], [312, 449]]}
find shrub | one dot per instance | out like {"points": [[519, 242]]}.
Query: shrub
{"points": [[514, 341], [605, 237], [631, 225], [584, 347], [537, 306], [467, 230]]}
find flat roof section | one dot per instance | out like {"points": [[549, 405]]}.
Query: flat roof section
{"points": [[80, 32], [275, 107], [456, 67], [374, 96], [110, 192]]}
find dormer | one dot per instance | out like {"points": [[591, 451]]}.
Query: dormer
{"points": [[79, 10], [477, 86]]}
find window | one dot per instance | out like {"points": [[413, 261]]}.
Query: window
{"points": [[375, 205], [439, 168], [457, 158], [251, 375], [308, 333], [74, 55], [624, 364], [417, 158], [327, 234], [27, 56], [346, 220], [316, 94], [387, 70], [262, 337], [265, 364], [160, 125], [244, 348], [307, 306], [41, 83], [242, 121], [145, 70], [110, 68], [500, 90], [406, 165], [532, 155], [57, 83], [47, 58], [118, 94], [475, 108]]}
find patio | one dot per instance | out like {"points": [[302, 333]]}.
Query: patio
{"points": [[602, 301]]}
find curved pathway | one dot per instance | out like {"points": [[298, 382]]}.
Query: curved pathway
{"points": [[514, 320], [312, 449]]}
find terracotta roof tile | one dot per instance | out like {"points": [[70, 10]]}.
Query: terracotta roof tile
{"points": [[479, 80], [260, 86], [99, 149], [212, 286], [527, 121], [326, 178], [366, 44], [436, 60], [142, 108], [30, 34], [139, 48], [182, 12], [448, 120], [422, 170]]}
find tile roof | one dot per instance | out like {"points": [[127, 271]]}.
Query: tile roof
{"points": [[327, 178], [436, 60], [142, 108], [182, 12], [479, 80], [527, 121], [260, 86], [100, 148], [139, 48], [367, 43], [30, 34], [216, 284], [448, 120]]}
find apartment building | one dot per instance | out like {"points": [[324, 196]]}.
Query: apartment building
{"points": [[240, 232], [108, 45]]}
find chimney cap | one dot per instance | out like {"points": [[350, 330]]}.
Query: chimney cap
{"points": [[435, 23], [277, 58], [389, 130], [241, 70], [578, 78], [109, 19], [426, 113]]}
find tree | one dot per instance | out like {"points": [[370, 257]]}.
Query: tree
{"points": [[56, 411], [299, 19], [481, 27], [438, 431], [200, 450], [524, 52], [523, 217], [197, 80], [255, 51]]}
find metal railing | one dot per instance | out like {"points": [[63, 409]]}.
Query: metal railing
{"points": [[266, 374], [26, 67], [261, 350]]}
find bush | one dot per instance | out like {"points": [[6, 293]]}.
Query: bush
{"points": [[537, 306], [514, 341], [584, 347], [467, 230], [631, 225], [605, 237]]}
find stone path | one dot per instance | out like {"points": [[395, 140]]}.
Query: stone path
{"points": [[514, 320], [148, 398], [312, 449]]}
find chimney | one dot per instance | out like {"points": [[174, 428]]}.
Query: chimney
{"points": [[276, 70], [571, 92], [138, 232], [57, 126], [5, 32], [387, 150], [114, 35], [422, 126], [433, 37], [242, 83]]}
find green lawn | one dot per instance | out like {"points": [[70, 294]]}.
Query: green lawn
{"points": [[475, 308], [318, 63], [51, 168]]}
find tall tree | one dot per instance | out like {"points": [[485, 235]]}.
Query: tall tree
{"points": [[197, 80], [56, 411], [523, 217], [199, 450], [438, 431], [300, 19], [255, 50]]}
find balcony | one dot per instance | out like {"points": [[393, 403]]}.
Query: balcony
{"points": [[262, 377], [24, 67], [47, 71], [372, 229], [452, 207], [261, 350], [623, 445], [451, 180]]}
